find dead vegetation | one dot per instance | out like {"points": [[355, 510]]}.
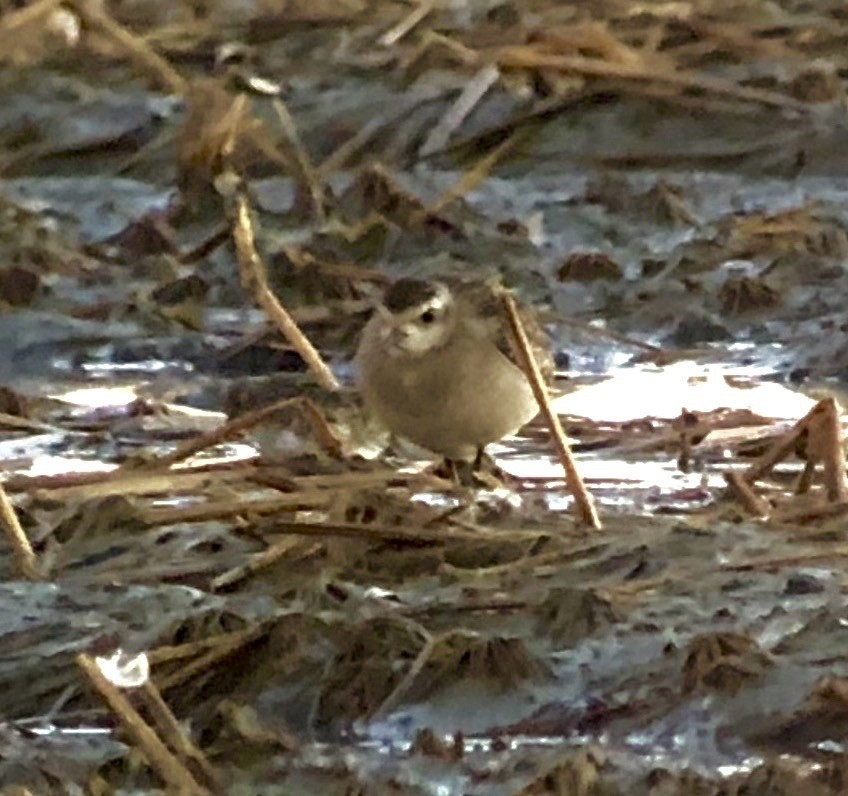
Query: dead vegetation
{"points": [[226, 579]]}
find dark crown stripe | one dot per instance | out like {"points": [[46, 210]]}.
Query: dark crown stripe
{"points": [[406, 293]]}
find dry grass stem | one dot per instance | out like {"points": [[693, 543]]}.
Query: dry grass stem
{"points": [[808, 514], [608, 334], [685, 435], [167, 765], [526, 58], [394, 34], [753, 503], [254, 564], [255, 280], [129, 482], [238, 425], [349, 149], [32, 483], [220, 237], [582, 498], [782, 448], [25, 36], [821, 432], [192, 649], [303, 259], [227, 509], [473, 92], [218, 130], [258, 562], [311, 193], [321, 428], [403, 687], [95, 17], [176, 737], [791, 562], [24, 423], [229, 430], [827, 443], [422, 481], [225, 646], [476, 174], [13, 22], [461, 52], [380, 533], [738, 38], [805, 480], [25, 557]]}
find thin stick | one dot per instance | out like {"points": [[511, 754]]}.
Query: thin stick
{"points": [[468, 99], [516, 57], [801, 516], [781, 448], [21, 548], [321, 428], [582, 498], [25, 423], [830, 448], [337, 160], [143, 482], [394, 34], [416, 537], [176, 737], [203, 249], [15, 22], [767, 563], [192, 649], [685, 430], [223, 433], [172, 771], [258, 562], [224, 647], [309, 178], [477, 173], [394, 698], [255, 279], [248, 420], [805, 480], [227, 509], [754, 504], [609, 334]]}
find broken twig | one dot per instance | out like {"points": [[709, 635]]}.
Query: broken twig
{"points": [[255, 279], [582, 498], [167, 765], [21, 548]]}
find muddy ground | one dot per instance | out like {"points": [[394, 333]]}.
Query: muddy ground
{"points": [[227, 579]]}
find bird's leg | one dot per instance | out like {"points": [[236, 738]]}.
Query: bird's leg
{"points": [[487, 472], [485, 463], [457, 470], [471, 473], [478, 459]]}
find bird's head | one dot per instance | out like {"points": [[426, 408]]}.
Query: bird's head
{"points": [[417, 316]]}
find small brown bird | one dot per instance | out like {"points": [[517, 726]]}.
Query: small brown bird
{"points": [[435, 366]]}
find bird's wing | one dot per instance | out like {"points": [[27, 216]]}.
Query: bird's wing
{"points": [[488, 308]]}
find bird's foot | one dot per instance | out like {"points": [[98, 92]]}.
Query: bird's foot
{"points": [[457, 471], [481, 473]]}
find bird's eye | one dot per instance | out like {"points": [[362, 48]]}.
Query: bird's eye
{"points": [[428, 316]]}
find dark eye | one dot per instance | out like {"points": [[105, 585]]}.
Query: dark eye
{"points": [[428, 316]]}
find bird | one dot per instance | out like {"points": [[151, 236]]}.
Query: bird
{"points": [[436, 367]]}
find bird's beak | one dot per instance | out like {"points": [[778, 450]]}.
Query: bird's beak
{"points": [[398, 334], [396, 338]]}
